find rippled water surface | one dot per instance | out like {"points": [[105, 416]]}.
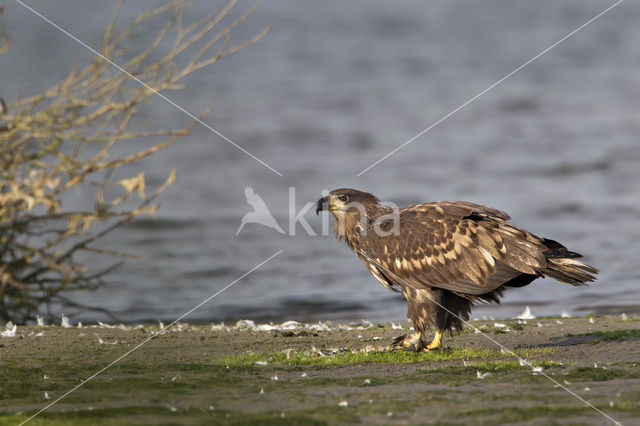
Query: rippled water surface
{"points": [[333, 87]]}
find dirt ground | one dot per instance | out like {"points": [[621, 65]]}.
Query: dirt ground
{"points": [[323, 373]]}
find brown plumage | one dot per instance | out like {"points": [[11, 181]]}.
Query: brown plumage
{"points": [[445, 256]]}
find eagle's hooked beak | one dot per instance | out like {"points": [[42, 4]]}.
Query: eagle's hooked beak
{"points": [[321, 205]]}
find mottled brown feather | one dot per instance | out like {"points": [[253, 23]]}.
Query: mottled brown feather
{"points": [[463, 243]]}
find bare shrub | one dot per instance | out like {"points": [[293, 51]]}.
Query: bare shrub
{"points": [[62, 141]]}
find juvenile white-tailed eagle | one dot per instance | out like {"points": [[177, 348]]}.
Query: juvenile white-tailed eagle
{"points": [[445, 256]]}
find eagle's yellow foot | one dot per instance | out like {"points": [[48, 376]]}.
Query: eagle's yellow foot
{"points": [[436, 343], [407, 342]]}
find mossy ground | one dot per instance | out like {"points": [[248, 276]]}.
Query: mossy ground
{"points": [[199, 376]]}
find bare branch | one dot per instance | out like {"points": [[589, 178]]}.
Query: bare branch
{"points": [[61, 140]]}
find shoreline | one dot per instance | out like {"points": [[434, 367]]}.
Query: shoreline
{"points": [[323, 372]]}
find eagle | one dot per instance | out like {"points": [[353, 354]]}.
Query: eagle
{"points": [[445, 256]]}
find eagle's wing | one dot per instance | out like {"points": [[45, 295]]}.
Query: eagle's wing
{"points": [[458, 246]]}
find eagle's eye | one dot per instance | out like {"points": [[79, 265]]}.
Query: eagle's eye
{"points": [[343, 198]]}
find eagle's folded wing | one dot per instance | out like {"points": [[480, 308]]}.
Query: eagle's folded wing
{"points": [[458, 246]]}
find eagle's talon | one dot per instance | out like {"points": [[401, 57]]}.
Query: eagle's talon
{"points": [[436, 343], [430, 348]]}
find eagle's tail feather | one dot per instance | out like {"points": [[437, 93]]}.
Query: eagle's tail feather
{"points": [[563, 266], [569, 271]]}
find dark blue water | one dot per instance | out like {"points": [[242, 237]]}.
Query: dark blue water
{"points": [[333, 87]]}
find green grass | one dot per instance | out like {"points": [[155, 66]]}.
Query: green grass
{"points": [[373, 357], [140, 415], [502, 415], [592, 374]]}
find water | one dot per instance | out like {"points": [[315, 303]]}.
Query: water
{"points": [[331, 89]]}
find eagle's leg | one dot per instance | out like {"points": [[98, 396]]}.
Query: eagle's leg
{"points": [[421, 308], [436, 343]]}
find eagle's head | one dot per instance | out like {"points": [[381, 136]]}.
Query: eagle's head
{"points": [[351, 208], [354, 212], [347, 201]]}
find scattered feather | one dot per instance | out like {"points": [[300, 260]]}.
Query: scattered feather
{"points": [[623, 316], [304, 375], [565, 315], [367, 381], [64, 322], [102, 342], [219, 327], [46, 395], [366, 323], [524, 363], [587, 389], [40, 334], [526, 315], [266, 327], [177, 327], [274, 377], [319, 327], [261, 362], [261, 390], [40, 321], [290, 325], [536, 370], [591, 321], [10, 330], [343, 403], [559, 322], [499, 325], [481, 376], [395, 326]]}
